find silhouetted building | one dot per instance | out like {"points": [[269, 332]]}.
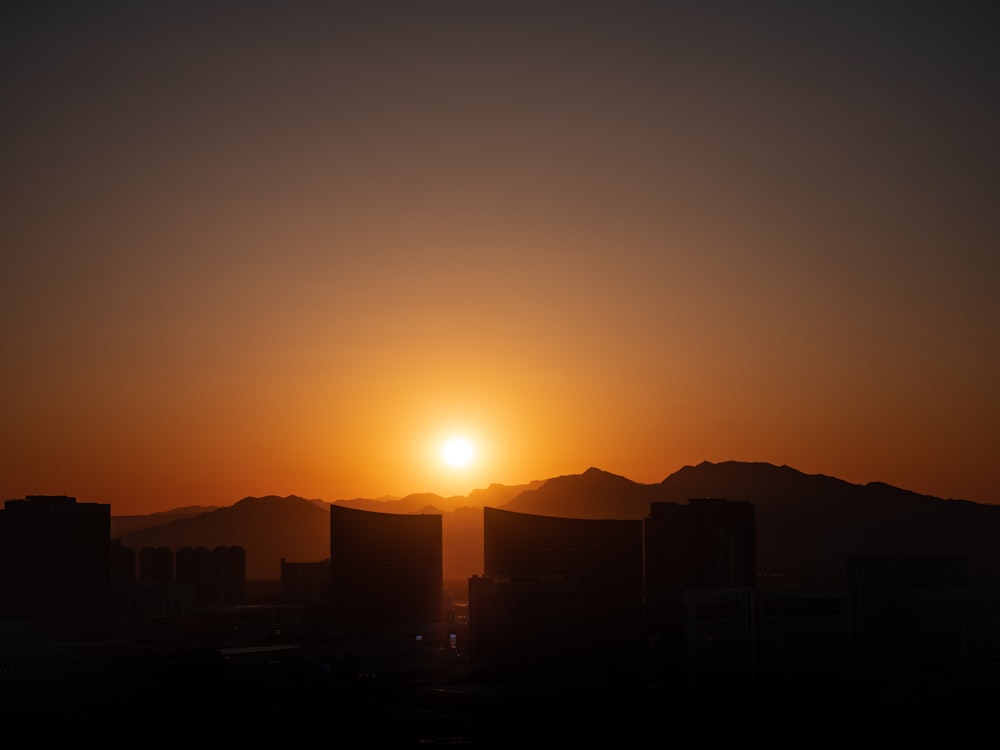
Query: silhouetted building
{"points": [[883, 590], [701, 545], [122, 598], [456, 617], [305, 582], [705, 543], [157, 596], [228, 575], [556, 588], [218, 575], [191, 566], [55, 562], [156, 564], [743, 636], [154, 604], [957, 631], [720, 631], [386, 573], [526, 618], [123, 562]]}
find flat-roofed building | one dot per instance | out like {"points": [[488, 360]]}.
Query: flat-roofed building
{"points": [[216, 575], [156, 564], [305, 582], [702, 545], [706, 543], [55, 561]]}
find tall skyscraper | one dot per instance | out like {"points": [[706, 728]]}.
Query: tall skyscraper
{"points": [[556, 587], [217, 575], [305, 582], [55, 561], [704, 544], [386, 572], [156, 564]]}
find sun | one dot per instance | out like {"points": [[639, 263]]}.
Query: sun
{"points": [[457, 451]]}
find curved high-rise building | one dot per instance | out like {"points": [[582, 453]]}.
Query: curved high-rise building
{"points": [[385, 571], [556, 587]]}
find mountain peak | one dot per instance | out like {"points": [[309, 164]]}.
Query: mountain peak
{"points": [[250, 500], [585, 496]]}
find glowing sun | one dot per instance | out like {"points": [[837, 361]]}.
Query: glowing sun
{"points": [[457, 451]]}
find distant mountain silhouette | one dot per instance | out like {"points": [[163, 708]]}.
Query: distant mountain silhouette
{"points": [[494, 496], [415, 503], [593, 494], [806, 523], [268, 528], [127, 524]]}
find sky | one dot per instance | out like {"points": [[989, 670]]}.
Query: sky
{"points": [[255, 248]]}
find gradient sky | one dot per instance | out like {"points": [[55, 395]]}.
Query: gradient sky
{"points": [[259, 248]]}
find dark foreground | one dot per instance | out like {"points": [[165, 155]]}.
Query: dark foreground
{"points": [[300, 693]]}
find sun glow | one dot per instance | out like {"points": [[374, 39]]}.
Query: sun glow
{"points": [[457, 452]]}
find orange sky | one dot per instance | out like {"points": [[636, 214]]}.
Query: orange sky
{"points": [[256, 248]]}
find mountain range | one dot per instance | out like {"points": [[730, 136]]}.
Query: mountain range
{"points": [[807, 524]]}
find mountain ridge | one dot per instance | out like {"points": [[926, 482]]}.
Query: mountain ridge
{"points": [[806, 523]]}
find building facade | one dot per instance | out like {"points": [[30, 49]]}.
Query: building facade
{"points": [[55, 561], [706, 543], [556, 587], [386, 573]]}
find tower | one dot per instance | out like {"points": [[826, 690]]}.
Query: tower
{"points": [[55, 561], [694, 552], [386, 573], [556, 587]]}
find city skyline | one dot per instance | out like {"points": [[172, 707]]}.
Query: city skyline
{"points": [[558, 633], [253, 250]]}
